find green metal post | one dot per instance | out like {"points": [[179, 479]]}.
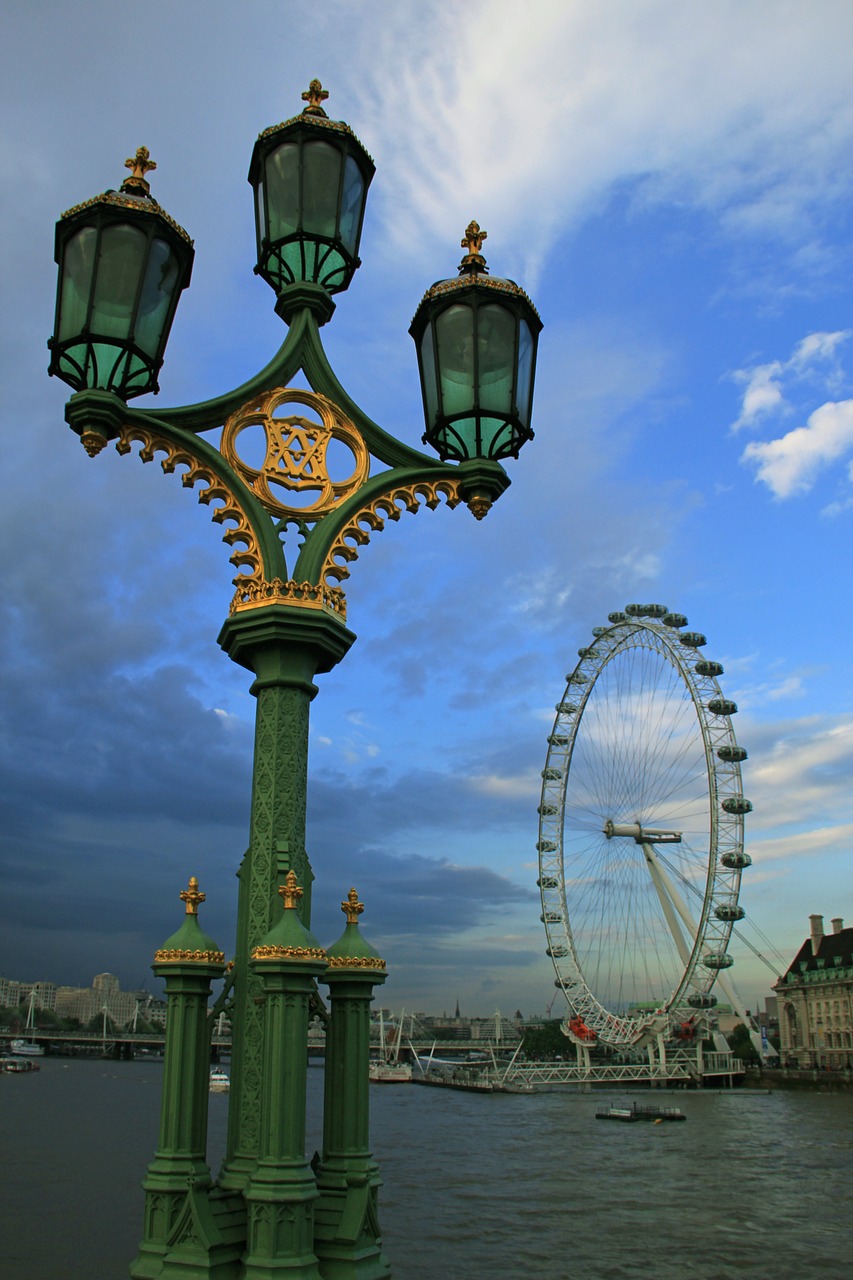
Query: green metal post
{"points": [[285, 648], [281, 1191], [182, 1236], [347, 1238]]}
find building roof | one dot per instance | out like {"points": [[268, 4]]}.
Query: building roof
{"points": [[835, 950]]}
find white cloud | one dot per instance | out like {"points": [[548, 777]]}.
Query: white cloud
{"points": [[818, 346], [752, 696], [814, 359], [798, 777], [763, 393], [712, 108], [820, 840], [519, 787], [790, 464]]}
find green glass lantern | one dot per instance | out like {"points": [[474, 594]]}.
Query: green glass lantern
{"points": [[310, 177], [476, 337], [122, 265]]}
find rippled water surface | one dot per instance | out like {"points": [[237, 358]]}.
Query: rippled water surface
{"points": [[480, 1187]]}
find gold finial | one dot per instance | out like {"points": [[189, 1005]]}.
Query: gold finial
{"points": [[192, 897], [290, 891], [139, 165], [352, 908], [315, 95], [473, 242], [474, 237]]}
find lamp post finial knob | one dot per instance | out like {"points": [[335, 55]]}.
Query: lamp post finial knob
{"points": [[290, 891], [473, 242], [315, 95], [192, 897], [352, 908], [139, 165]]}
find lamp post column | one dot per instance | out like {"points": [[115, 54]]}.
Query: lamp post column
{"points": [[188, 962], [281, 1190], [347, 1237], [285, 647]]}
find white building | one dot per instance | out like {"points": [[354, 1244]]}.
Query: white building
{"points": [[816, 1000]]}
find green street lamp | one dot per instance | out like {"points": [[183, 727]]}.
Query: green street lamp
{"points": [[476, 338], [122, 265], [310, 177], [296, 516]]}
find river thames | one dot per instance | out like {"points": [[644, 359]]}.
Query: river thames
{"points": [[476, 1187]]}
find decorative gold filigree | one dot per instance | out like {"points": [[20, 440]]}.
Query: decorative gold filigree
{"points": [[476, 279], [352, 908], [93, 442], [192, 897], [355, 962], [197, 957], [130, 201], [253, 594], [371, 518], [295, 459], [288, 953], [198, 471]]}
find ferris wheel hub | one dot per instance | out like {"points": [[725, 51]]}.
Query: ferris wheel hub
{"points": [[642, 835]]}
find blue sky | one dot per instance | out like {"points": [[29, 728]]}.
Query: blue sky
{"points": [[671, 184]]}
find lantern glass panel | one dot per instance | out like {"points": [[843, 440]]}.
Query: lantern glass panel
{"points": [[495, 358], [120, 264], [282, 192], [321, 186], [158, 287], [352, 204], [78, 261], [524, 383], [455, 335], [427, 354]]}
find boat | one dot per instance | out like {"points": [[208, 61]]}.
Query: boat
{"points": [[387, 1068], [220, 1081], [656, 1115], [381, 1071], [26, 1049], [462, 1078], [14, 1066]]}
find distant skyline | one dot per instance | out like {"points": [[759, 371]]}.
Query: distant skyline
{"points": [[672, 187]]}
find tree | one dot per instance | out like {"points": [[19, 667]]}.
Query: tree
{"points": [[741, 1044]]}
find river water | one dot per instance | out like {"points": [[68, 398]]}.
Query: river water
{"points": [[476, 1187]]}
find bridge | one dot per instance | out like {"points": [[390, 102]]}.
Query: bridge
{"points": [[678, 1070]]}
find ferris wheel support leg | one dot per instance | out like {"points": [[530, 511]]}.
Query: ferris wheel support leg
{"points": [[728, 988], [671, 903]]}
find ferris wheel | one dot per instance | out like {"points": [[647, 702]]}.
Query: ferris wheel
{"points": [[641, 828]]}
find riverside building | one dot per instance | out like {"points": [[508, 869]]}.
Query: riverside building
{"points": [[816, 1000]]}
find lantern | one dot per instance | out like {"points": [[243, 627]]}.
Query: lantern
{"points": [[310, 177], [476, 338], [122, 265]]}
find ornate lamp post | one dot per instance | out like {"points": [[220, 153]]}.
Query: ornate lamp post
{"points": [[295, 525]]}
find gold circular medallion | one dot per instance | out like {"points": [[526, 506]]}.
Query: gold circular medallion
{"points": [[286, 460]]}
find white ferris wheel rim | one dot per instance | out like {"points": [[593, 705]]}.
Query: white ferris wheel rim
{"points": [[639, 680]]}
